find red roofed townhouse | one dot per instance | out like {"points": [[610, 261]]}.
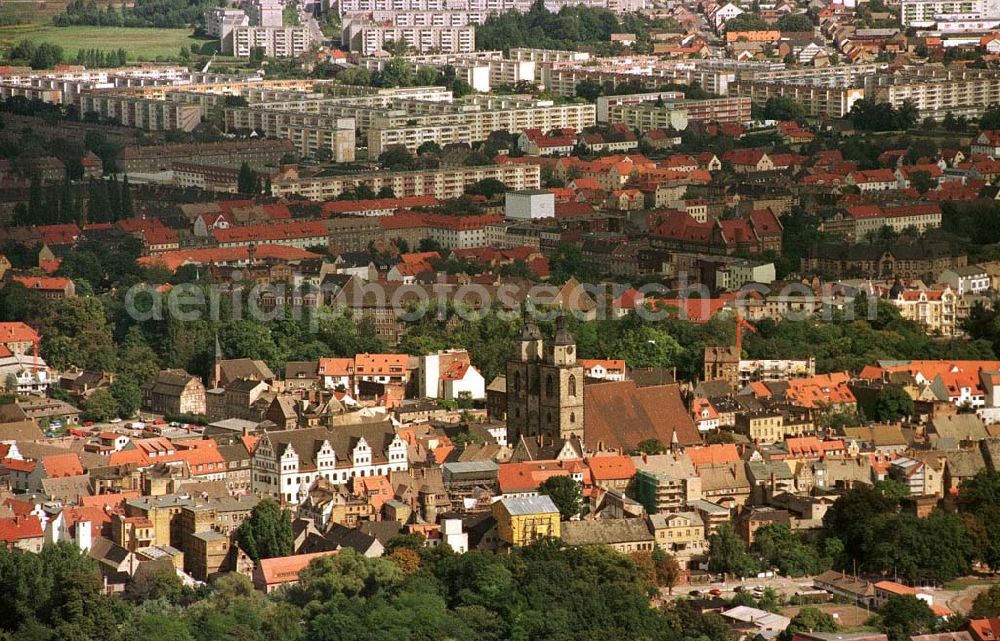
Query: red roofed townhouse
{"points": [[626, 200], [524, 479], [712, 455], [984, 629], [50, 287], [987, 143], [271, 574], [57, 466], [337, 373], [18, 337], [873, 180], [22, 533], [904, 173], [748, 161], [449, 374], [293, 234], [65, 234], [738, 236], [605, 369], [705, 416], [680, 231], [376, 206], [768, 229], [236, 256], [19, 473], [383, 369], [812, 448], [822, 391], [611, 472]]}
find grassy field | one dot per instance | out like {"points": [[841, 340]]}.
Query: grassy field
{"points": [[139, 44]]}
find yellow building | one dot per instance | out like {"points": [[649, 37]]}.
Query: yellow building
{"points": [[521, 521]]}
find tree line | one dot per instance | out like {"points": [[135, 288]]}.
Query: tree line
{"points": [[543, 591], [145, 13]]}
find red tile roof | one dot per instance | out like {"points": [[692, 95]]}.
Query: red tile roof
{"points": [[17, 333], [285, 569], [17, 528], [717, 454], [611, 468], [60, 465]]}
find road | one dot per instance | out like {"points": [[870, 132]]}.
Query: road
{"points": [[783, 585]]}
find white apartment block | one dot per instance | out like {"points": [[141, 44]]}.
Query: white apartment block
{"points": [[440, 183], [265, 13], [935, 92], [275, 42], [644, 118], [472, 126], [348, 7], [369, 38], [220, 21], [309, 133], [928, 12], [604, 102], [427, 18], [142, 113], [818, 100]]}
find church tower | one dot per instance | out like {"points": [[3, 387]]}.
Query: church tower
{"points": [[522, 383], [544, 386], [562, 387]]}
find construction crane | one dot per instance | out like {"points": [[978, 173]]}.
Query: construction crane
{"points": [[741, 324]]}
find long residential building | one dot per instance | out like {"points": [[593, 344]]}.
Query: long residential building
{"points": [[442, 183], [485, 7], [273, 42], [368, 38], [647, 116], [928, 12], [308, 133], [143, 113], [937, 91], [462, 124]]}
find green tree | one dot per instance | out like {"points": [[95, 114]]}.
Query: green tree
{"points": [[780, 547], [783, 108], [922, 181], [728, 553], [746, 22], [809, 620], [904, 616], [667, 570], [397, 158], [891, 488], [267, 533], [100, 406], [893, 404], [488, 187], [652, 446], [795, 22], [986, 604], [127, 397], [565, 492], [247, 180]]}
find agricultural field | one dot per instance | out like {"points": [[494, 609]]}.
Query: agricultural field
{"points": [[139, 44]]}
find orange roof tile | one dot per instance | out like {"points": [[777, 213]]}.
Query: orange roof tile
{"points": [[285, 569]]}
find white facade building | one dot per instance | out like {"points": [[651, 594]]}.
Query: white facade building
{"points": [[529, 204], [286, 463]]}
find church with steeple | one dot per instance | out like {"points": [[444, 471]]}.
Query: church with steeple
{"points": [[545, 385]]}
